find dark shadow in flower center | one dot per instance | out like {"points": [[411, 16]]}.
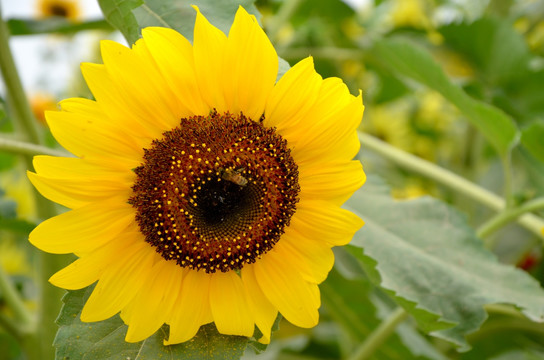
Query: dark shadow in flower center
{"points": [[221, 202]]}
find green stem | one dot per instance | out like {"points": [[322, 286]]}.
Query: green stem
{"points": [[25, 148], [14, 301], [15, 87], [379, 335], [507, 173], [508, 215], [37, 345], [445, 177]]}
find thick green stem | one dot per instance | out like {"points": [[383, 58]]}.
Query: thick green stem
{"points": [[445, 177], [14, 86], [508, 215], [28, 149], [37, 345], [379, 335], [507, 173]]}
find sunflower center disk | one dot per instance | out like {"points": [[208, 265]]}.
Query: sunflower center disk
{"points": [[216, 192]]}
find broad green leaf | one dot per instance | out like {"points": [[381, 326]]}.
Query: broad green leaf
{"points": [[402, 56], [499, 52], [430, 259], [532, 137], [119, 14], [104, 340], [53, 25]]}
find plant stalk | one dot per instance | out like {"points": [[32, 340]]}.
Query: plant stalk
{"points": [[447, 178], [27, 149], [379, 335]]}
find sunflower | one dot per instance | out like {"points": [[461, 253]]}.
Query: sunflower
{"points": [[68, 9], [202, 190]]}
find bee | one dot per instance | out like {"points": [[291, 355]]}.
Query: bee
{"points": [[233, 176]]}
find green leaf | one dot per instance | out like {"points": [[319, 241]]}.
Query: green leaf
{"points": [[430, 259], [402, 56], [499, 52], [532, 137], [53, 25], [119, 14], [104, 340]]}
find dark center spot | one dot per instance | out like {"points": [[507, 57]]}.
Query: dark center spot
{"points": [[216, 192], [58, 10]]}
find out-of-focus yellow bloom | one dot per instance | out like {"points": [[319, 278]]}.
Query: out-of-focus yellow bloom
{"points": [[453, 63], [410, 191], [390, 123], [412, 13], [13, 258], [68, 9], [535, 38], [18, 189], [40, 103]]}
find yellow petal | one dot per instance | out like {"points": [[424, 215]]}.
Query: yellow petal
{"points": [[324, 221], [75, 194], [173, 55], [209, 49], [293, 96], [144, 93], [333, 182], [229, 305], [261, 309], [112, 101], [329, 129], [296, 299], [83, 229], [130, 131], [192, 307], [250, 67], [153, 304], [312, 257], [86, 135], [81, 169], [119, 283], [87, 269]]}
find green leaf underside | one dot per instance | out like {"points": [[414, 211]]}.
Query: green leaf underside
{"points": [[119, 14], [425, 253], [532, 137], [405, 58], [104, 340]]}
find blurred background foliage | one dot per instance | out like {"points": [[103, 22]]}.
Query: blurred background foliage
{"points": [[492, 49]]}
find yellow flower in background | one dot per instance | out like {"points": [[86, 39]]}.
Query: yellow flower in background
{"points": [[203, 191], [410, 13], [40, 103], [390, 123], [410, 191], [68, 9], [17, 188], [13, 258]]}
